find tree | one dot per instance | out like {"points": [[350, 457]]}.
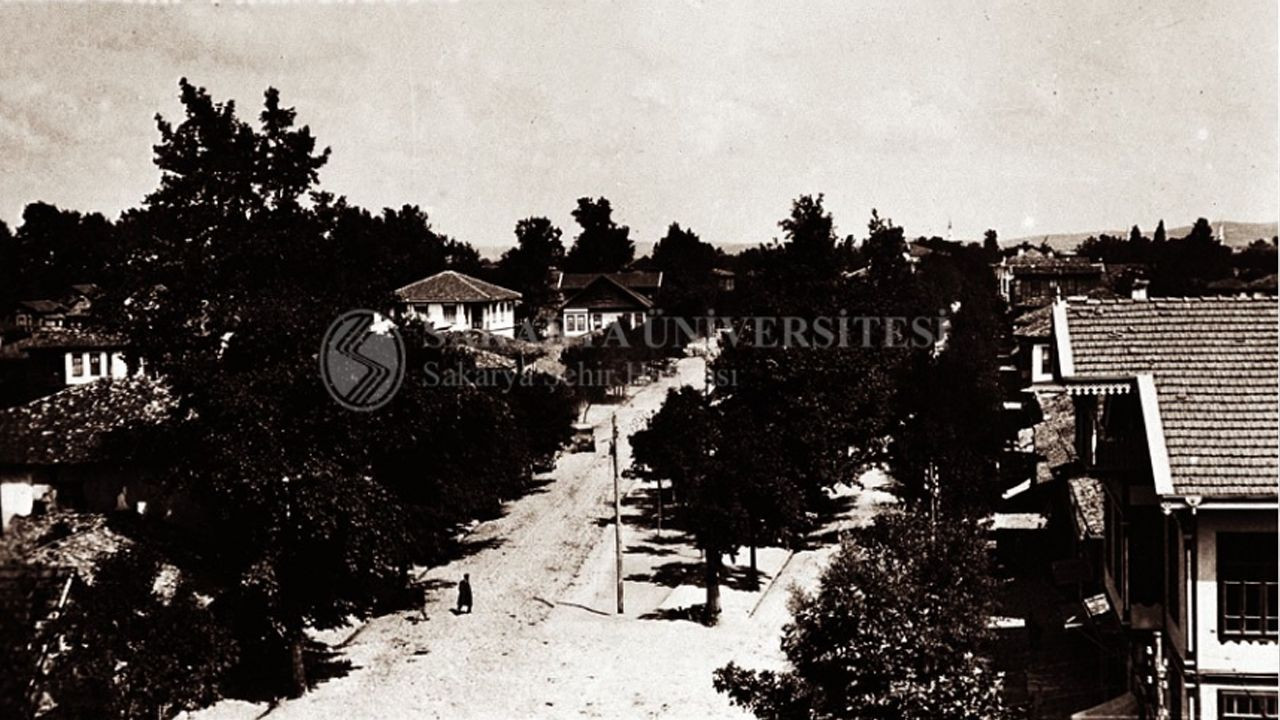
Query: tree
{"points": [[225, 295], [947, 438], [1185, 266], [896, 630], [682, 444], [53, 249], [749, 464], [1159, 237], [1257, 260], [890, 279], [137, 643], [810, 234], [603, 245], [1111, 249], [10, 269], [991, 244], [526, 267], [686, 263]]}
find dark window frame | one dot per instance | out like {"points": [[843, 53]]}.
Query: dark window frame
{"points": [[1230, 700], [1247, 586]]}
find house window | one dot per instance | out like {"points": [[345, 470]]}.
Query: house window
{"points": [[597, 321], [1238, 705], [95, 364], [1247, 585], [450, 313], [77, 365]]}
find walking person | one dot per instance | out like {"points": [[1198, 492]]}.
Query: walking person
{"points": [[464, 594]]}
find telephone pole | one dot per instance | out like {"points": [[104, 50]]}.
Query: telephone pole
{"points": [[617, 509]]}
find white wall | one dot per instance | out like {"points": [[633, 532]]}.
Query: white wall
{"points": [[110, 364], [498, 318], [1041, 365], [573, 320], [16, 497], [1212, 654]]}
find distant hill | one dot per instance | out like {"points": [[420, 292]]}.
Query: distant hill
{"points": [[1235, 235], [643, 248]]}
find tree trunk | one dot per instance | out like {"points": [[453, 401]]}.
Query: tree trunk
{"points": [[712, 610], [297, 668], [659, 506]]}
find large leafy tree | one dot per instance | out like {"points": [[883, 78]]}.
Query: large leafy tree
{"points": [[603, 245], [1185, 266], [226, 295], [53, 249], [682, 443], [948, 436], [136, 643], [526, 267], [896, 630], [686, 262]]}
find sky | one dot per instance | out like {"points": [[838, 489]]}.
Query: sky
{"points": [[1027, 117]]}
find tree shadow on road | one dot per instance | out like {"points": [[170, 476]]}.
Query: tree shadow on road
{"points": [[827, 523], [686, 572], [691, 613]]}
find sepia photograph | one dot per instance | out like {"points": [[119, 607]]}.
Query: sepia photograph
{"points": [[689, 359]]}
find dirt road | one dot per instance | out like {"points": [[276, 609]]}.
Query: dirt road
{"points": [[543, 640]]}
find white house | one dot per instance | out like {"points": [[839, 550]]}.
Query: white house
{"points": [[592, 301], [452, 301], [1176, 416]]}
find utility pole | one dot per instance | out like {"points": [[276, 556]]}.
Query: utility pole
{"points": [[617, 508]]}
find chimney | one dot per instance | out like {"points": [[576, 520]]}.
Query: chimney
{"points": [[1140, 289]]}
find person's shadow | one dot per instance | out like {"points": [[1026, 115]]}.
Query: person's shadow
{"points": [[455, 611]]}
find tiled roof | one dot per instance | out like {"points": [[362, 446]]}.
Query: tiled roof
{"points": [[44, 307], [68, 339], [1034, 323], [69, 426], [605, 293], [1214, 364], [633, 280], [1055, 434], [453, 286], [1055, 266], [1087, 502]]}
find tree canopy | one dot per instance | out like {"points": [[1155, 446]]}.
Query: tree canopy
{"points": [[602, 245]]}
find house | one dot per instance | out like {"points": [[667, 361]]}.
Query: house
{"points": [[52, 449], [452, 301], [1033, 353], [1176, 419], [1033, 277], [32, 315], [73, 310], [725, 279], [50, 360], [592, 301]]}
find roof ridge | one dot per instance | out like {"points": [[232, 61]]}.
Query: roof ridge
{"points": [[470, 282]]}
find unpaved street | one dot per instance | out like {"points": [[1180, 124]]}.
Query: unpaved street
{"points": [[543, 640]]}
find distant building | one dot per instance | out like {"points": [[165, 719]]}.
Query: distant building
{"points": [[724, 279], [452, 301], [52, 449], [53, 344], [593, 301], [1033, 353], [1032, 277], [1176, 428], [53, 359], [73, 310]]}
